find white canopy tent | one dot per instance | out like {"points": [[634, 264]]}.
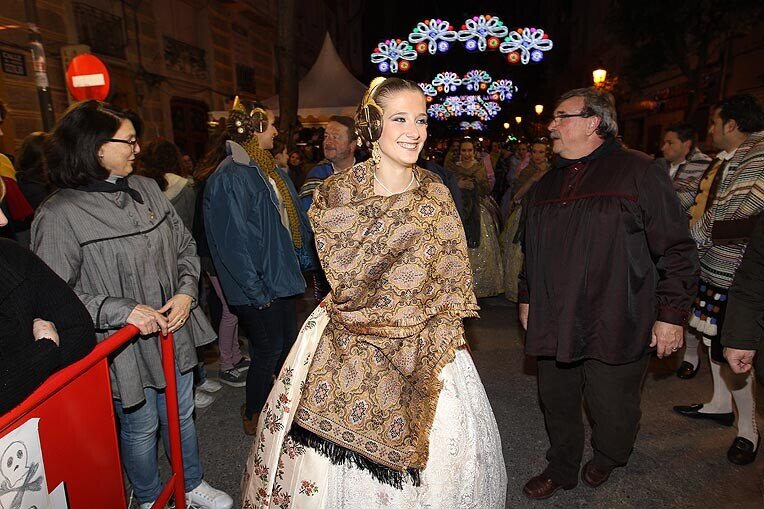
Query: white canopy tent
{"points": [[328, 89]]}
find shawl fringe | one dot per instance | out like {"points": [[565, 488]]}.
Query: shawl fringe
{"points": [[339, 455]]}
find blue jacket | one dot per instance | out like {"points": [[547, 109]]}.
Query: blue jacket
{"points": [[314, 179], [252, 250]]}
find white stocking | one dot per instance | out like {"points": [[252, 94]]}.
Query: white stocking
{"points": [[721, 402], [743, 392], [691, 348]]}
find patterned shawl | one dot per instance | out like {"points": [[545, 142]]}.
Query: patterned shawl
{"points": [[401, 284]]}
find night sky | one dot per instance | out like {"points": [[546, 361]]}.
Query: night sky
{"points": [[401, 17]]}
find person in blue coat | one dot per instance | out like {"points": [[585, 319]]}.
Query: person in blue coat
{"points": [[260, 242]]}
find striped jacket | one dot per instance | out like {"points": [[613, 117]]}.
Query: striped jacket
{"points": [[740, 196]]}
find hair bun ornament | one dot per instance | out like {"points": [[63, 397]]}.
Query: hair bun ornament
{"points": [[368, 118], [245, 119]]}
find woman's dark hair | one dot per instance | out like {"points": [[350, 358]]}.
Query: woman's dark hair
{"points": [[71, 150], [214, 156], [158, 157], [31, 165]]}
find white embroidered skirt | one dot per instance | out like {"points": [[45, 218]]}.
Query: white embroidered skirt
{"points": [[465, 468]]}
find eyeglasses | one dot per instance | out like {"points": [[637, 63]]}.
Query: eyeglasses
{"points": [[132, 143], [559, 117]]}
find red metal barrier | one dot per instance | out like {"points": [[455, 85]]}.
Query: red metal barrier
{"points": [[78, 431]]}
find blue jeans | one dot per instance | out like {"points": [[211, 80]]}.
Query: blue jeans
{"points": [[138, 439]]}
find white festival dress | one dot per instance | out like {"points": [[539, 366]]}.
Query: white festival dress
{"points": [[465, 468]]}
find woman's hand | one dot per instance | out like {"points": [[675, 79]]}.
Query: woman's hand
{"points": [[42, 329], [179, 307], [147, 319]]}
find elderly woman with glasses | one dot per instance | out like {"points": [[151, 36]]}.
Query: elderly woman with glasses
{"points": [[120, 244]]}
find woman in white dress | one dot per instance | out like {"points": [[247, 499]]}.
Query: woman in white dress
{"points": [[379, 403]]}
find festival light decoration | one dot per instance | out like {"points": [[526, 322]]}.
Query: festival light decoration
{"points": [[464, 105], [446, 81], [476, 80], [502, 90], [526, 44], [387, 54], [482, 31], [477, 125], [479, 33], [432, 35]]}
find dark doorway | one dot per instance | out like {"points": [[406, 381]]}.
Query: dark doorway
{"points": [[189, 126]]}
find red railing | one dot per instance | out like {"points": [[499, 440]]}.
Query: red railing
{"points": [[78, 431]]}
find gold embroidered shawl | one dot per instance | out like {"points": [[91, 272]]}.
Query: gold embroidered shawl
{"points": [[401, 285]]}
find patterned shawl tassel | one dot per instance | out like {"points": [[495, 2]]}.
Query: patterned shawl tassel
{"points": [[339, 455]]}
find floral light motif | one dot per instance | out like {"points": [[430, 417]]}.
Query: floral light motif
{"points": [[438, 111], [482, 31], [477, 125], [530, 43], [502, 90], [428, 89], [432, 35], [446, 81], [476, 80], [387, 54], [464, 105]]}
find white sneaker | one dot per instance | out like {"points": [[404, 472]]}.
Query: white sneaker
{"points": [[210, 385], [203, 399], [205, 496], [149, 505]]}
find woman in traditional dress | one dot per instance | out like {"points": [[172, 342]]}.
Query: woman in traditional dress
{"points": [[480, 224], [379, 403], [512, 252]]}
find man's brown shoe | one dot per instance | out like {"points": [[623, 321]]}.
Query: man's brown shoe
{"points": [[593, 476], [250, 425], [541, 487]]}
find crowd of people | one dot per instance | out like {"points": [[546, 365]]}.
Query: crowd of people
{"points": [[611, 255]]}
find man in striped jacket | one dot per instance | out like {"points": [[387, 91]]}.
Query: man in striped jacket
{"points": [[722, 234]]}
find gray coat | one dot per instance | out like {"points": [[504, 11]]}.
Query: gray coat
{"points": [[116, 253]]}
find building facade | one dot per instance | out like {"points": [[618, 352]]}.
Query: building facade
{"points": [[172, 61]]}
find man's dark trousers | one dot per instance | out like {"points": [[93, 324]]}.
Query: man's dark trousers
{"points": [[612, 394]]}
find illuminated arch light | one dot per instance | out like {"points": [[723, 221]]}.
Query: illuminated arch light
{"points": [[432, 35], [470, 105], [481, 32], [446, 81], [387, 54], [476, 80], [527, 44], [502, 90], [475, 126]]}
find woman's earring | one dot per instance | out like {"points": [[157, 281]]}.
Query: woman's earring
{"points": [[376, 154]]}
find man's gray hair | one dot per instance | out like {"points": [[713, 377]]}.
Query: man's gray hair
{"points": [[597, 103]]}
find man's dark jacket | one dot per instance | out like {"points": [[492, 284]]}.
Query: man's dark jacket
{"points": [[744, 319], [607, 253]]}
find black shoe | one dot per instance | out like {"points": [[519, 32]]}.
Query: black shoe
{"points": [[693, 412], [687, 371], [741, 452]]}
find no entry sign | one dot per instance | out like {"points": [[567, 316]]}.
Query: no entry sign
{"points": [[88, 78]]}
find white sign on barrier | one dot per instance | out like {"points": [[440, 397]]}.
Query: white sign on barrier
{"points": [[22, 473]]}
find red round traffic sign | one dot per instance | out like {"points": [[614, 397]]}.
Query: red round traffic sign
{"points": [[88, 78]]}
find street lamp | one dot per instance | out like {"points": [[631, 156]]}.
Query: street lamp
{"points": [[539, 109], [518, 119], [599, 75], [506, 125]]}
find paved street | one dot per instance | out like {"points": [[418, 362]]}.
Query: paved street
{"points": [[676, 462]]}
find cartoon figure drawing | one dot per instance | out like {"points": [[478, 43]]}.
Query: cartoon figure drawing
{"points": [[17, 476]]}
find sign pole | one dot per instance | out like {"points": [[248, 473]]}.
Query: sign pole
{"points": [[38, 63]]}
